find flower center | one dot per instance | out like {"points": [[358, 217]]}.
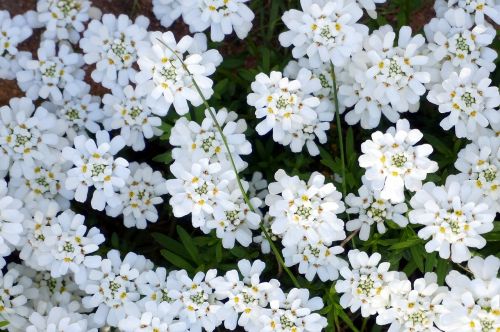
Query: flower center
{"points": [[462, 44], [365, 285], [120, 49], [68, 247], [50, 70], [398, 160], [168, 73], [73, 114], [66, 6], [198, 298], [394, 68], [286, 322], [304, 211], [468, 99], [489, 174], [418, 317], [98, 169], [202, 190], [486, 325], [208, 142], [135, 112], [165, 297]]}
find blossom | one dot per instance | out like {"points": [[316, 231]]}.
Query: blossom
{"points": [[58, 319], [42, 181], [476, 8], [15, 290], [236, 223], [14, 31], [372, 209], [77, 113], [27, 135], [369, 6], [128, 111], [294, 312], [198, 188], [222, 17], [393, 161], [96, 166], [416, 308], [111, 287], [63, 19], [324, 31], [56, 71], [454, 42], [469, 99], [305, 209], [113, 45], [396, 69], [453, 216], [473, 302], [167, 11], [199, 308], [289, 110], [204, 140], [155, 317], [479, 161], [142, 191], [69, 246], [11, 223], [367, 283], [168, 70]]}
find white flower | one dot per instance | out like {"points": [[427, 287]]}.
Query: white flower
{"points": [[69, 246], [454, 215], [42, 181], [36, 226], [142, 191], [393, 162], [58, 320], [205, 141], [294, 313], [453, 42], [236, 223], [396, 69], [315, 258], [198, 188], [112, 45], [474, 303], [13, 31], [265, 246], [15, 290], [480, 162], [96, 166], [305, 209], [11, 223], [221, 16], [128, 111], [111, 287], [477, 8], [165, 79], [56, 71], [155, 317], [369, 6], [324, 75], [27, 135], [372, 209], [246, 296], [199, 307], [367, 283], [63, 19], [414, 309], [290, 110], [80, 113], [324, 31], [469, 99], [356, 90], [167, 11], [257, 187]]}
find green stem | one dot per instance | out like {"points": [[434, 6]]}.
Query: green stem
{"points": [[339, 128], [233, 165]]}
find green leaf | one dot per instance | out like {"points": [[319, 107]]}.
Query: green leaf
{"points": [[4, 323], [442, 269], [188, 243], [406, 244], [171, 244], [341, 313], [176, 260], [438, 144], [418, 257], [430, 262], [165, 158], [218, 252]]}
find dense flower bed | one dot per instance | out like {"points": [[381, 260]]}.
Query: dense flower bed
{"points": [[353, 218]]}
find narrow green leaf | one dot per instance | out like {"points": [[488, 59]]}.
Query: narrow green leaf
{"points": [[171, 244], [341, 313], [417, 256], [406, 244], [176, 260], [189, 244]]}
